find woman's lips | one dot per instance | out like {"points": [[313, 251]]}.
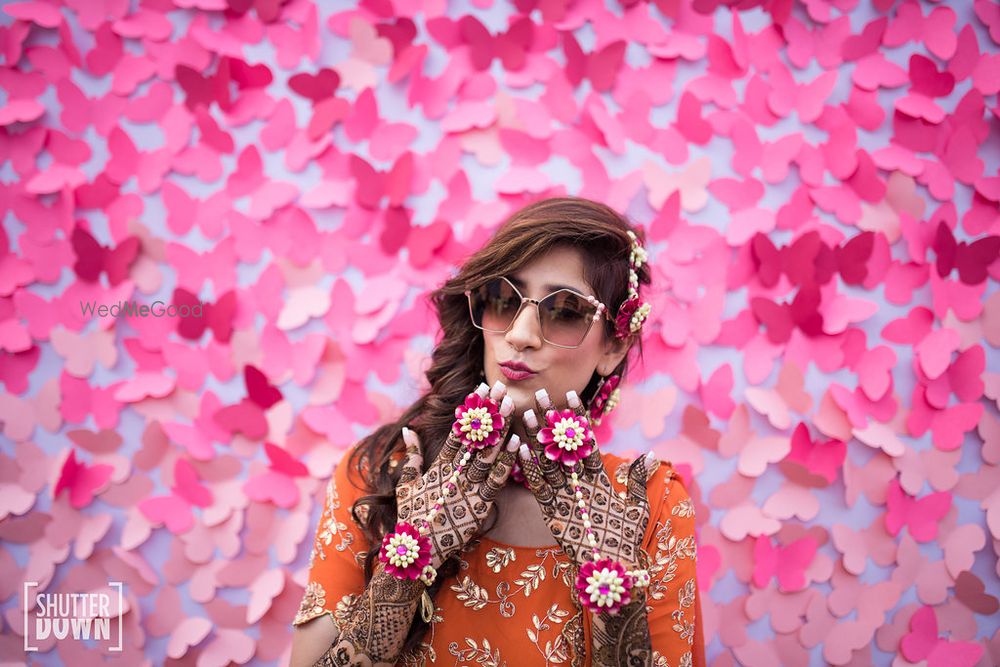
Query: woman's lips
{"points": [[515, 374]]}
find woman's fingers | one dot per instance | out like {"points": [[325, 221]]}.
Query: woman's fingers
{"points": [[552, 470], [479, 464], [413, 464], [548, 468], [501, 469], [533, 473], [593, 463], [638, 473], [482, 462], [576, 405], [454, 443]]}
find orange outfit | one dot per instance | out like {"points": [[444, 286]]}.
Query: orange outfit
{"points": [[515, 606]]}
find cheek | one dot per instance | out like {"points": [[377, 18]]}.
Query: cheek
{"points": [[573, 371]]}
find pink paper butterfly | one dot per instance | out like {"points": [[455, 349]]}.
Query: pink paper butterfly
{"points": [[247, 416], [92, 258], [372, 185], [923, 643], [511, 47], [921, 516], [788, 563], [175, 510], [218, 316], [277, 484], [600, 67], [82, 481]]}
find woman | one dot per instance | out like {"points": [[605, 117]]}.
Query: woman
{"points": [[494, 530]]}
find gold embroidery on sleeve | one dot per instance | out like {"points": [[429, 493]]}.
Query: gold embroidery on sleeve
{"points": [[313, 604]]}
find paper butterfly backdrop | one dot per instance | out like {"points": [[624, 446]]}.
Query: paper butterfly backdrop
{"points": [[818, 182]]}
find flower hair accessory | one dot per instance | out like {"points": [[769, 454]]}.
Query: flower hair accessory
{"points": [[633, 311]]}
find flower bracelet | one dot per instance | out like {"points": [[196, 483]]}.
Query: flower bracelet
{"points": [[603, 584], [406, 551]]}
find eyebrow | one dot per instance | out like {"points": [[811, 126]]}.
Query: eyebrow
{"points": [[549, 288]]}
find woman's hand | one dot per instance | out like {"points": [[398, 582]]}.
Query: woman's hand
{"points": [[617, 523], [482, 473]]}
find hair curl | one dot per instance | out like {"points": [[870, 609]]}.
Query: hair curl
{"points": [[600, 233]]}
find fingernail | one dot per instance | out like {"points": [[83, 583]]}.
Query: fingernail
{"points": [[482, 389], [572, 399], [506, 406], [530, 420], [497, 389], [408, 437], [524, 453], [650, 457], [543, 398], [514, 444]]}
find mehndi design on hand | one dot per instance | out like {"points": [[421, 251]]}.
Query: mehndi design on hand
{"points": [[442, 506], [596, 528], [437, 517]]}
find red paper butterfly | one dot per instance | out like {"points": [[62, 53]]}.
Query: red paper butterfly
{"points": [[373, 184], [510, 47], [202, 90], [315, 87], [781, 318], [92, 257], [808, 260], [82, 480], [601, 67], [216, 316], [973, 260], [247, 416]]}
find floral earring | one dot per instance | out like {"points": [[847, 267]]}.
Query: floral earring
{"points": [[605, 398]]}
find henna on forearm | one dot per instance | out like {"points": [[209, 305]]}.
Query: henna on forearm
{"points": [[379, 622], [623, 638], [446, 510]]}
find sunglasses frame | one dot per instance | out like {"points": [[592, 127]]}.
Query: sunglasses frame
{"points": [[601, 310]]}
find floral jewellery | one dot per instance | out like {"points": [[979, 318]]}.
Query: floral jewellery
{"points": [[406, 551], [568, 438], [633, 311], [605, 399], [603, 584], [478, 423]]}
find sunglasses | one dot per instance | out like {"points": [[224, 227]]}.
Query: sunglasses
{"points": [[564, 317]]}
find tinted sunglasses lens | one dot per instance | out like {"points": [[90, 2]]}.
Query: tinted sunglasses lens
{"points": [[494, 305], [566, 318]]}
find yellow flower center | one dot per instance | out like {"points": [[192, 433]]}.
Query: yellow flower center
{"points": [[605, 587], [402, 549], [477, 424], [568, 434]]}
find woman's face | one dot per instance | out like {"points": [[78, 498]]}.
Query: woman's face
{"points": [[555, 369]]}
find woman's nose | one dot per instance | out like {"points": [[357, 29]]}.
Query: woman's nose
{"points": [[524, 331]]}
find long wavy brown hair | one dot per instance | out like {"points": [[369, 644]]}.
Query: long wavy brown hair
{"points": [[600, 233]]}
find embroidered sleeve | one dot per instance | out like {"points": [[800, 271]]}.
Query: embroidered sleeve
{"points": [[671, 597], [336, 577]]}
